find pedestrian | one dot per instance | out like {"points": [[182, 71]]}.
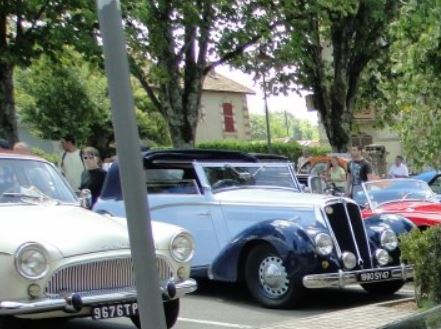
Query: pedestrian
{"points": [[399, 169], [359, 171], [21, 148], [336, 174], [92, 178], [71, 163]]}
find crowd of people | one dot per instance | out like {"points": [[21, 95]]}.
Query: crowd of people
{"points": [[358, 170]]}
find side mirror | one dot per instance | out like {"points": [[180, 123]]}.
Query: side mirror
{"points": [[85, 197], [316, 184]]}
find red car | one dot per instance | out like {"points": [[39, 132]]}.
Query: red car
{"points": [[410, 198]]}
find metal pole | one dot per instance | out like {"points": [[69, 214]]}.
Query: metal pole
{"points": [[268, 129], [129, 156]]}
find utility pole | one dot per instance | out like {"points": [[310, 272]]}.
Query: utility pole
{"points": [[268, 128], [151, 310], [286, 124]]}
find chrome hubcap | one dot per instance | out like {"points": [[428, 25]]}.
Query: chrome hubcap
{"points": [[273, 276]]}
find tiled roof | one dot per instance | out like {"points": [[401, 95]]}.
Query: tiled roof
{"points": [[218, 82]]}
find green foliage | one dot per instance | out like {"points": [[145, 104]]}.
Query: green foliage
{"points": [[291, 150], [51, 157], [422, 249], [282, 125], [70, 97], [411, 88], [324, 47]]}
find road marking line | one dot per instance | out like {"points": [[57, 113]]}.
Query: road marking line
{"points": [[215, 323]]}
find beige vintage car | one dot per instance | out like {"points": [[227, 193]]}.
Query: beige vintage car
{"points": [[59, 260]]}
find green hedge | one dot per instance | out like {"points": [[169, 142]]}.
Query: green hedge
{"points": [[51, 157], [291, 150], [422, 249]]}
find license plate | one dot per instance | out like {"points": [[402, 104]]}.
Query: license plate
{"points": [[374, 276], [110, 311]]}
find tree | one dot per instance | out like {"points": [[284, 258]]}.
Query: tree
{"points": [[29, 29], [70, 96], [324, 47], [173, 46], [282, 125], [410, 90]]}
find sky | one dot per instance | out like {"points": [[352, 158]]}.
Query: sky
{"points": [[293, 103]]}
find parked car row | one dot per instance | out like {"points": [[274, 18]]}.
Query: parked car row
{"points": [[252, 222], [225, 216]]}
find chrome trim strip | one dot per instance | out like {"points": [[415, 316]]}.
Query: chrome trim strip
{"points": [[343, 278], [43, 305], [331, 231], [360, 260]]}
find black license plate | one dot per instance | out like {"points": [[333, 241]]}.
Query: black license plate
{"points": [[109, 311], [373, 276]]}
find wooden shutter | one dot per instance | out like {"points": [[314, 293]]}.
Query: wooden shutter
{"points": [[228, 117]]}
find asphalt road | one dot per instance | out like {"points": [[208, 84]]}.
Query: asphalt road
{"points": [[224, 306]]}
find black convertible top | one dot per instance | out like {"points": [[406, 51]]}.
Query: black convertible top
{"points": [[190, 155], [162, 158]]}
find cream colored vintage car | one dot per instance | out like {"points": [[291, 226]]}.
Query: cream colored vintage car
{"points": [[58, 259]]}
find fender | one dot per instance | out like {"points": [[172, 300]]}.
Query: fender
{"points": [[399, 224], [289, 239]]}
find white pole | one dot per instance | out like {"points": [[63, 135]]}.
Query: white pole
{"points": [[129, 157]]}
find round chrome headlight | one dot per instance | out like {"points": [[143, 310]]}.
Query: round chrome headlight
{"points": [[349, 260], [182, 247], [31, 261], [323, 244], [389, 240], [382, 257]]}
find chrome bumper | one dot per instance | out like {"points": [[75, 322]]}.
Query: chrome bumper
{"points": [[75, 302], [344, 278]]}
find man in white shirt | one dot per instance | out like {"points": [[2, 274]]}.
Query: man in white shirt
{"points": [[399, 169], [71, 164]]}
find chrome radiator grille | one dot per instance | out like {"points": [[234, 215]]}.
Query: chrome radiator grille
{"points": [[101, 275], [347, 226]]}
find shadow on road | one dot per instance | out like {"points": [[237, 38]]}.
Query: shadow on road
{"points": [[317, 299]]}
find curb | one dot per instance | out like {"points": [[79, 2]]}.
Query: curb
{"points": [[362, 317]]}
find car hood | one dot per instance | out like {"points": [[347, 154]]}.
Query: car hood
{"points": [[71, 230], [416, 211], [269, 196]]}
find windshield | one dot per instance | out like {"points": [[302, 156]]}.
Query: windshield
{"points": [[250, 175], [32, 181], [379, 192]]}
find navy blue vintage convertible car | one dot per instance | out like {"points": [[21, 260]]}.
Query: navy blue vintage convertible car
{"points": [[251, 222]]}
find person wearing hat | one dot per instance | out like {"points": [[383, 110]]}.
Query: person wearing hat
{"points": [[93, 177]]}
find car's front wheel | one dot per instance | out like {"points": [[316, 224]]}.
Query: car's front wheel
{"points": [[268, 281], [171, 311], [383, 288]]}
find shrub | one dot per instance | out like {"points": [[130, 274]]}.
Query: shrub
{"points": [[422, 249], [291, 150], [51, 157]]}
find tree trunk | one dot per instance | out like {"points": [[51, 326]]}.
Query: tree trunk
{"points": [[336, 117], [8, 119]]}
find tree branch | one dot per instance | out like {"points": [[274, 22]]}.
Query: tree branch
{"points": [[239, 49], [37, 17], [139, 74]]}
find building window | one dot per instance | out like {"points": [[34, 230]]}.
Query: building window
{"points": [[227, 109]]}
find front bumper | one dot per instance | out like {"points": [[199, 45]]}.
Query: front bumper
{"points": [[73, 303], [344, 278]]}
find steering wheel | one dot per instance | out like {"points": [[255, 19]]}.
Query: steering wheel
{"points": [[223, 183]]}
